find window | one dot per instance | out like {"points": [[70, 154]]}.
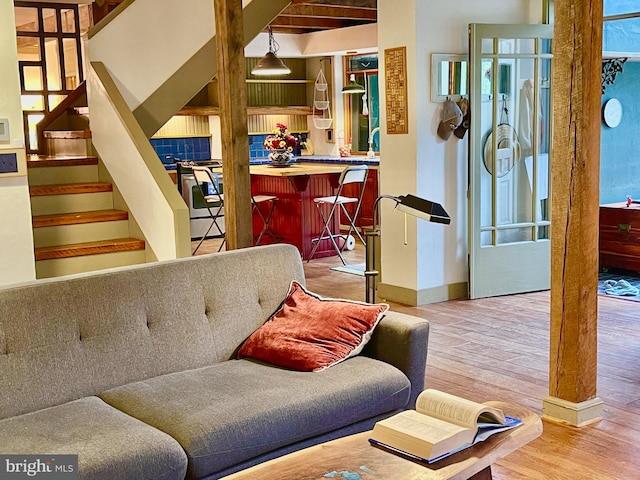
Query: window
{"points": [[49, 58], [362, 110]]}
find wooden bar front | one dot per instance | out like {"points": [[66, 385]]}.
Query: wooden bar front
{"points": [[296, 220]]}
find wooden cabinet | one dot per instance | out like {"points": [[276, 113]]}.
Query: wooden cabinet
{"points": [[620, 236]]}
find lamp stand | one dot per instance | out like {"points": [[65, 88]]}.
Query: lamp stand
{"points": [[408, 204], [371, 272]]}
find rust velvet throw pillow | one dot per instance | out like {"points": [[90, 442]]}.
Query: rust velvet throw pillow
{"points": [[310, 333]]}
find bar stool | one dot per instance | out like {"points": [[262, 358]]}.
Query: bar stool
{"points": [[256, 200], [355, 174], [208, 182]]}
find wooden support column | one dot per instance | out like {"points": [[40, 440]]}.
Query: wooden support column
{"points": [[576, 78], [233, 119]]}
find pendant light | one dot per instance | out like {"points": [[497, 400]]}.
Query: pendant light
{"points": [[270, 64], [352, 86]]}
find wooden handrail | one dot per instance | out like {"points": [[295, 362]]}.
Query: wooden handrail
{"points": [[69, 101]]}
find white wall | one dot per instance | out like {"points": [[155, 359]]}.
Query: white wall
{"points": [[158, 35], [147, 190], [288, 45], [16, 255], [420, 163], [361, 38]]}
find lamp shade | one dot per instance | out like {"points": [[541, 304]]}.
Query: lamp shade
{"points": [[424, 209], [270, 65], [352, 86]]}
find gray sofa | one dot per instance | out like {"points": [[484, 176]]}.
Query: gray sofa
{"points": [[133, 369]]}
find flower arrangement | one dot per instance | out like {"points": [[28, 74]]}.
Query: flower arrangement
{"points": [[280, 139]]}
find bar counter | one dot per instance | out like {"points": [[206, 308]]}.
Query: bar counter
{"points": [[296, 219]]}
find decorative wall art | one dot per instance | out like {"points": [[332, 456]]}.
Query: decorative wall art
{"points": [[395, 61]]}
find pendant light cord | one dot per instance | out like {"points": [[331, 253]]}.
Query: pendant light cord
{"points": [[273, 45]]}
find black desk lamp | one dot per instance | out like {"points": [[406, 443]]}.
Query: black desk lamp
{"points": [[410, 205]]}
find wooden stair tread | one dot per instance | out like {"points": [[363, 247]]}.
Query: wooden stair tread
{"points": [[89, 248], [67, 134], [75, 218], [37, 161], [70, 188]]}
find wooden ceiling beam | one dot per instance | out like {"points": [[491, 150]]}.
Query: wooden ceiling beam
{"points": [[327, 11]]}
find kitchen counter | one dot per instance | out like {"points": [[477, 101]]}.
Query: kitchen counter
{"points": [[294, 170], [352, 160]]}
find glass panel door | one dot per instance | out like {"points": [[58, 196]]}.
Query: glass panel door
{"points": [[509, 248]]}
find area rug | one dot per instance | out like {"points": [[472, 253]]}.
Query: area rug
{"points": [[619, 285], [353, 269]]}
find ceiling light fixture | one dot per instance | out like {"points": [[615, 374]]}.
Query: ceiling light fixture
{"points": [[270, 64], [352, 86]]}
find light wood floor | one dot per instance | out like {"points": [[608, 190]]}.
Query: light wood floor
{"points": [[497, 349]]}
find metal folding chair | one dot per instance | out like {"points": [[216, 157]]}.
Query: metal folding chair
{"points": [[256, 201], [355, 174], [208, 182]]}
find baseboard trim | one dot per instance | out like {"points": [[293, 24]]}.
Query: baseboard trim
{"points": [[408, 296], [570, 413]]}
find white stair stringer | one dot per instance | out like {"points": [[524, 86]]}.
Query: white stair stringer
{"points": [[141, 61], [155, 65]]}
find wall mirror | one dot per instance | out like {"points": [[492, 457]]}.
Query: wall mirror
{"points": [[449, 76]]}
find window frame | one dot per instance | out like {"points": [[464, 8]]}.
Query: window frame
{"points": [[349, 100]]}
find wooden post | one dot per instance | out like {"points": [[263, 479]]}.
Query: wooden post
{"points": [[576, 84], [233, 120]]}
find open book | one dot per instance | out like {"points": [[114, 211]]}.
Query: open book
{"points": [[441, 425]]}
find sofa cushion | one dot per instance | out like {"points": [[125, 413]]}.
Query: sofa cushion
{"points": [[236, 410], [109, 444], [309, 332]]}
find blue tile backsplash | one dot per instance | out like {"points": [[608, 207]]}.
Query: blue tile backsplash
{"points": [[187, 148], [258, 152], [199, 148]]}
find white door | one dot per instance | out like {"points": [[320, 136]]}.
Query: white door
{"points": [[509, 159]]}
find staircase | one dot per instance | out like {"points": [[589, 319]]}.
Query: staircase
{"points": [[75, 225]]}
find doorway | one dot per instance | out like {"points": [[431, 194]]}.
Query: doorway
{"points": [[509, 209]]}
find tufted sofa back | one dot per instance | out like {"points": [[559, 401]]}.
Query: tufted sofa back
{"points": [[76, 336]]}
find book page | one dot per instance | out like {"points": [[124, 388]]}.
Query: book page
{"points": [[454, 409], [420, 426], [420, 435]]}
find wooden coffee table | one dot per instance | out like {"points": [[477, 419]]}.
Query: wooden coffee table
{"points": [[353, 457]]}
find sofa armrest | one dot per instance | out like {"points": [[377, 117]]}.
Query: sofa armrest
{"points": [[401, 340]]}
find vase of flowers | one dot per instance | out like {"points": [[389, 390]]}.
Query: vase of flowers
{"points": [[280, 145]]}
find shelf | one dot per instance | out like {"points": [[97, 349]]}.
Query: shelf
{"points": [[211, 110], [271, 80]]}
